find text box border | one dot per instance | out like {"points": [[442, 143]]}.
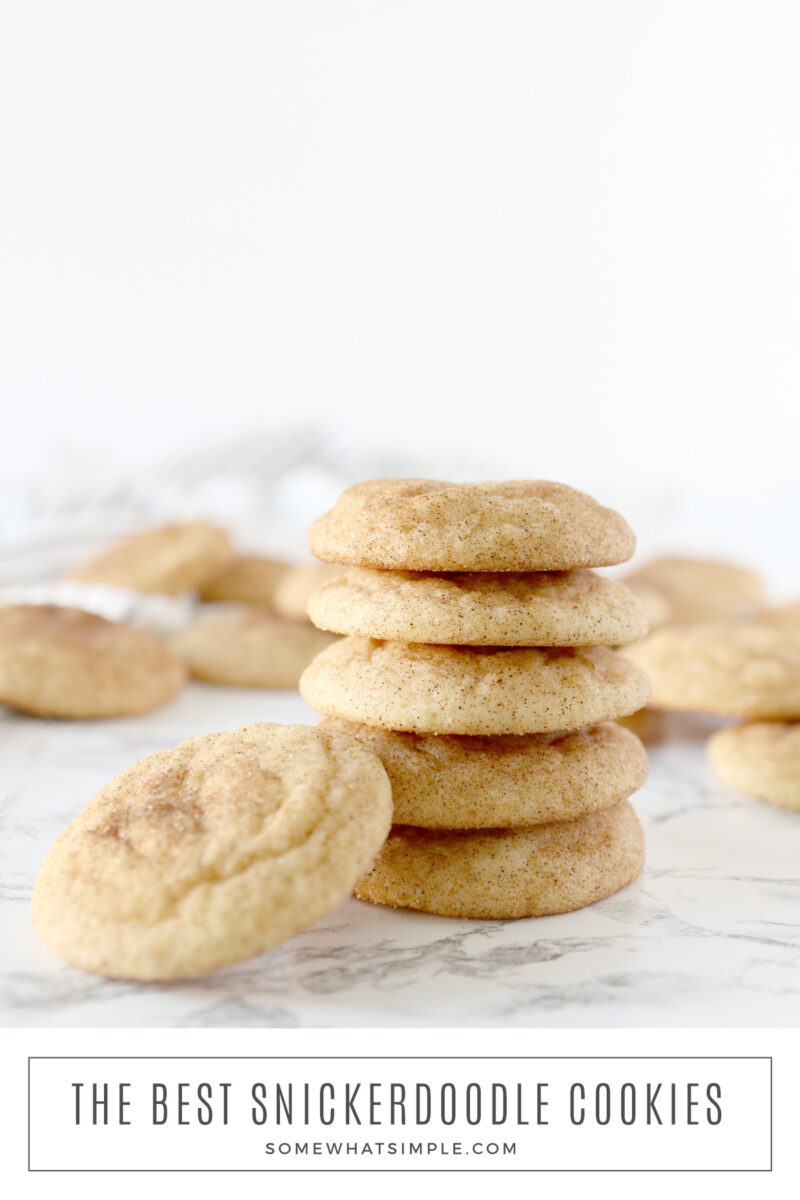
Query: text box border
{"points": [[399, 1170]]}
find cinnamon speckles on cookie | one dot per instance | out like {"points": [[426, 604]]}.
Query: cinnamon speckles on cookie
{"points": [[447, 689], [545, 608], [453, 782], [212, 852], [427, 525], [501, 874]]}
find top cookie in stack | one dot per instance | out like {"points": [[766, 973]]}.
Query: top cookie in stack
{"points": [[472, 613]]}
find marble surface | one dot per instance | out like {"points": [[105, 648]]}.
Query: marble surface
{"points": [[709, 936]]}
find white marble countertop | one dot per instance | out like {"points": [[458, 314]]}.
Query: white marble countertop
{"points": [[709, 936]]}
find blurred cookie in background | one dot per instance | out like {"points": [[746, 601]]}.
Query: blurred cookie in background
{"points": [[659, 727], [70, 664], [247, 579], [247, 646], [655, 603], [760, 759], [298, 585], [722, 667], [698, 589], [171, 559]]}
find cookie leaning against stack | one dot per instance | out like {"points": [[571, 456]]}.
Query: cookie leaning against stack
{"points": [[212, 852], [476, 666]]}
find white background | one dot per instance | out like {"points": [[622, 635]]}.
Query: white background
{"points": [[561, 235]]}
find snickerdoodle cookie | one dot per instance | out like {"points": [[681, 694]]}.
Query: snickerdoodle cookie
{"points": [[452, 782], [246, 646], [248, 579], [761, 759], [471, 690], [699, 590], [560, 608], [297, 587], [723, 667], [426, 525], [171, 559], [212, 852], [508, 873], [63, 662]]}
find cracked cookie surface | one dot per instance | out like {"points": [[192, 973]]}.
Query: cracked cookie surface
{"points": [[428, 525], [559, 608], [452, 782], [502, 874], [471, 690], [212, 852]]}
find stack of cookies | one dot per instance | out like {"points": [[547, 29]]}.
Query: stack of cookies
{"points": [[476, 664]]}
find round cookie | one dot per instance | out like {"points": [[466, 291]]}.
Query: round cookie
{"points": [[471, 690], [211, 852], [426, 525], [66, 663], [171, 559], [760, 759], [699, 590], [502, 874], [451, 782], [246, 646], [297, 587], [248, 579], [722, 667], [559, 608]]}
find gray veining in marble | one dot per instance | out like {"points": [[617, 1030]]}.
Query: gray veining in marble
{"points": [[709, 936]]}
